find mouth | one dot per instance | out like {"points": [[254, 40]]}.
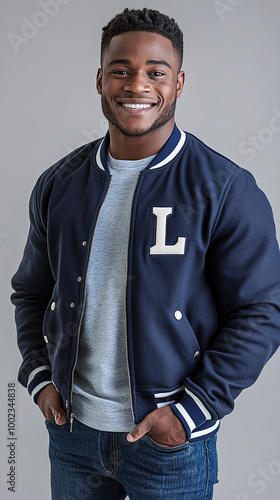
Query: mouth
{"points": [[136, 106]]}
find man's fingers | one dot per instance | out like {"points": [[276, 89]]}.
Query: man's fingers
{"points": [[139, 430], [49, 402], [60, 416], [162, 425]]}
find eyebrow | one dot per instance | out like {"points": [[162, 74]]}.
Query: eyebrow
{"points": [[159, 62], [118, 61], [150, 62]]}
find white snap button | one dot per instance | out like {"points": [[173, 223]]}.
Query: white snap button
{"points": [[46, 339], [72, 304], [53, 306], [79, 279], [196, 354], [84, 243], [178, 315]]}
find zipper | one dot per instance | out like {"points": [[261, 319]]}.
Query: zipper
{"points": [[83, 310], [126, 328], [71, 421]]}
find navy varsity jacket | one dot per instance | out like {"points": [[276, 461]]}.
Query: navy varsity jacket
{"points": [[203, 281]]}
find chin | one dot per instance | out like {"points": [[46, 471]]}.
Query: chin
{"points": [[140, 132], [134, 132]]}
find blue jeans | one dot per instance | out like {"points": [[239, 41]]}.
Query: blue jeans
{"points": [[92, 465]]}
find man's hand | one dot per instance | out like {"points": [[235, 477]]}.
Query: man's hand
{"points": [[162, 426], [50, 404]]}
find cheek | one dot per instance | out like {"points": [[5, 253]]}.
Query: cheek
{"points": [[169, 92], [109, 91]]}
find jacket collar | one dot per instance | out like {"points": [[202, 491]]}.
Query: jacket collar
{"points": [[170, 149]]}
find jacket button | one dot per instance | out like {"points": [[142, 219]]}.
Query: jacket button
{"points": [[72, 304], [196, 354], [79, 279], [84, 243], [46, 339], [53, 306], [178, 315]]}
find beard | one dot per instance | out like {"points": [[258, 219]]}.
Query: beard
{"points": [[166, 115]]}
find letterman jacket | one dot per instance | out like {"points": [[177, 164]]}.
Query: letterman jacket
{"points": [[203, 280]]}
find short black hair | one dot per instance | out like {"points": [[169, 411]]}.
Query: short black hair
{"points": [[144, 20]]}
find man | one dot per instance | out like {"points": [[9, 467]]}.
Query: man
{"points": [[149, 291]]}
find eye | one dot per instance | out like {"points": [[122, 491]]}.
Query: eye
{"points": [[157, 73], [120, 72]]}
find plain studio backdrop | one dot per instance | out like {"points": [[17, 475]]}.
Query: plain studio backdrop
{"points": [[231, 100]]}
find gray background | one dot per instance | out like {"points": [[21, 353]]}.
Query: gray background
{"points": [[50, 106]]}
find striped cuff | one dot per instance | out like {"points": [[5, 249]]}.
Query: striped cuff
{"points": [[191, 412], [38, 379]]}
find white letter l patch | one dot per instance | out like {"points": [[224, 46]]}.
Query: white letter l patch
{"points": [[160, 248]]}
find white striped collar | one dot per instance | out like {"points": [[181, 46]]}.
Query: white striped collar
{"points": [[168, 152]]}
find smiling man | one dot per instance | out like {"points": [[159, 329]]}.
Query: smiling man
{"points": [[148, 296], [139, 83]]}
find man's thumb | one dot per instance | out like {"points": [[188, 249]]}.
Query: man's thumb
{"points": [[139, 431]]}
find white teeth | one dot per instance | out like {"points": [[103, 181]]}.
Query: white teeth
{"points": [[137, 106]]}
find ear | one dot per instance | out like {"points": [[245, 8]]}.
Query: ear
{"points": [[99, 81], [180, 82]]}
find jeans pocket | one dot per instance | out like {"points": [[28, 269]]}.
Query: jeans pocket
{"points": [[162, 447], [49, 421]]}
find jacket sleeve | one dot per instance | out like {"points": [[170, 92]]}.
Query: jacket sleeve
{"points": [[243, 268], [33, 284]]}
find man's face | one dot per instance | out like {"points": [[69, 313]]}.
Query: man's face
{"points": [[139, 82]]}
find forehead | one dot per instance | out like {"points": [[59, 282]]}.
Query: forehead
{"points": [[140, 46]]}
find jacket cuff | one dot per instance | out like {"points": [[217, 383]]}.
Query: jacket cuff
{"points": [[37, 381], [191, 412]]}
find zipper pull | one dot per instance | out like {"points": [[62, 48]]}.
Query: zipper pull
{"points": [[71, 421]]}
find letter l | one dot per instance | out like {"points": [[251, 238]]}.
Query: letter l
{"points": [[160, 248]]}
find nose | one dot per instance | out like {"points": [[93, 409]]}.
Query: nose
{"points": [[137, 83]]}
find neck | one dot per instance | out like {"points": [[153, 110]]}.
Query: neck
{"points": [[123, 147]]}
